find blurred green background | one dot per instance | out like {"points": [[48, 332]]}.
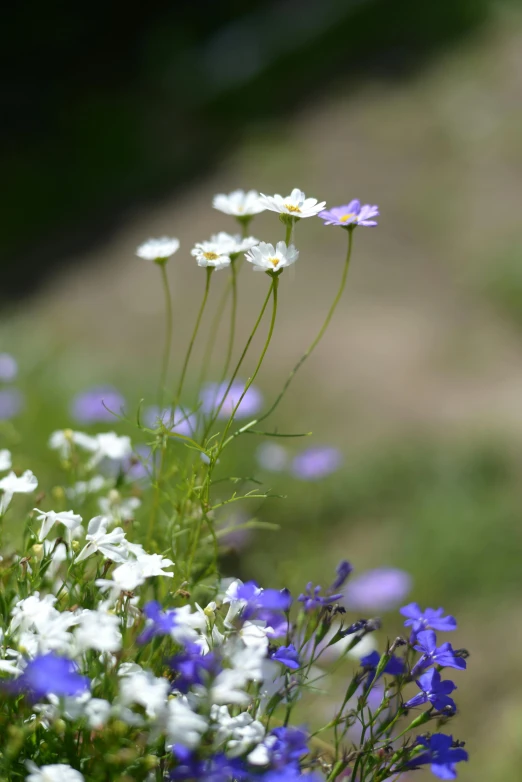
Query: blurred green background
{"points": [[124, 123]]}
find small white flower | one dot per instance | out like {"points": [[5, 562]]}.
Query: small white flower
{"points": [[111, 544], [117, 508], [146, 690], [238, 203], [109, 445], [240, 732], [158, 249], [56, 772], [232, 244], [228, 688], [296, 204], [150, 564], [265, 257], [5, 460], [64, 440], [98, 630], [81, 489], [12, 484], [48, 518], [211, 254], [97, 712], [183, 725]]}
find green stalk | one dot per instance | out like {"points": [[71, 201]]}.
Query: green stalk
{"points": [[168, 335], [210, 269]]}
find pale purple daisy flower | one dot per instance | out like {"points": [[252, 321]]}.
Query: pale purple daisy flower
{"points": [[315, 463], [213, 393], [11, 403], [97, 405], [350, 214], [179, 420], [8, 368], [377, 590]]}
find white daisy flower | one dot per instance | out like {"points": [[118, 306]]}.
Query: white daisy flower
{"points": [[232, 244], [266, 258], [238, 203], [211, 253], [296, 204], [158, 250]]}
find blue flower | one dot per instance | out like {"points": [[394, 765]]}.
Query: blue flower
{"points": [[290, 746], [159, 622], [441, 753], [262, 599], [343, 571], [432, 654], [51, 674], [433, 690], [312, 598], [395, 666], [287, 655], [217, 768], [191, 666], [291, 773], [430, 619]]}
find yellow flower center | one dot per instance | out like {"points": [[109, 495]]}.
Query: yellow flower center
{"points": [[292, 208], [345, 218], [273, 261], [211, 256]]}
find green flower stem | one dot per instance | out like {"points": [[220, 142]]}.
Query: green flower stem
{"points": [[312, 346], [168, 334], [214, 328], [210, 269], [238, 365], [274, 289], [233, 314]]}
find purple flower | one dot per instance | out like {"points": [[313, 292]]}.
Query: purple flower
{"points": [[98, 404], [343, 571], [258, 600], [191, 667], [213, 393], [287, 655], [180, 421], [50, 674], [11, 402], [140, 464], [377, 590], [315, 463], [290, 746], [276, 623], [290, 773], [430, 619], [432, 654], [395, 666], [441, 753], [8, 368], [312, 598], [350, 214], [159, 622], [433, 690], [217, 768]]}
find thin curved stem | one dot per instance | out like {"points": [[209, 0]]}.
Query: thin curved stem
{"points": [[274, 289], [238, 365], [168, 335], [210, 269], [314, 343]]}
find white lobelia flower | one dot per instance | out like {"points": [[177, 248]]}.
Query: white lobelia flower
{"points": [[232, 244], [240, 733], [183, 725], [238, 203], [12, 484], [265, 257], [133, 573], [64, 440], [56, 772], [150, 564], [98, 630], [229, 688], [211, 254], [117, 508], [48, 518], [97, 711], [5, 460], [158, 250], [111, 544], [296, 204], [109, 445], [144, 689]]}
